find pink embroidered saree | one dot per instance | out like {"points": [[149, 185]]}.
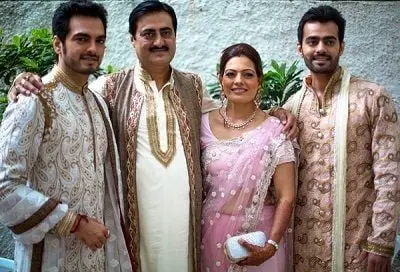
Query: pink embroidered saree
{"points": [[236, 178]]}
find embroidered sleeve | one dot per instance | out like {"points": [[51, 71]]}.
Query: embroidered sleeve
{"points": [[285, 151], [25, 211], [385, 151]]}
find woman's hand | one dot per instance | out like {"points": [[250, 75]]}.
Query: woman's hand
{"points": [[258, 255]]}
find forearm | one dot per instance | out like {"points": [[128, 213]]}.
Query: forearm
{"points": [[281, 220]]}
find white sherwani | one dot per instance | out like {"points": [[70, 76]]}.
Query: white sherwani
{"points": [[163, 192], [55, 146]]}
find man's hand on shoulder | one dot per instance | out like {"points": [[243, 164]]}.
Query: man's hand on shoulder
{"points": [[25, 84], [288, 121]]}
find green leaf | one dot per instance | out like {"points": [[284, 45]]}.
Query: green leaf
{"points": [[16, 40], [31, 65]]}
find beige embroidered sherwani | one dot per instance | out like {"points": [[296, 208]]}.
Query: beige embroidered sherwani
{"points": [[373, 172], [126, 104], [57, 159]]}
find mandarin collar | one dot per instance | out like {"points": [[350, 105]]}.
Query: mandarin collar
{"points": [[69, 81], [336, 76], [146, 77]]}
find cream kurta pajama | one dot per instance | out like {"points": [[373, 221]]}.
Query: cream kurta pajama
{"points": [[158, 136], [372, 187], [57, 159]]}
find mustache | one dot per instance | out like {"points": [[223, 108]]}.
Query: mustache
{"points": [[321, 55], [90, 57], [158, 48]]}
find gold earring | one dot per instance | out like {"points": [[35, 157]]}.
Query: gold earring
{"points": [[257, 98], [222, 97]]}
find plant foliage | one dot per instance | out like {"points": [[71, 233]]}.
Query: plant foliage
{"points": [[31, 52], [279, 83]]}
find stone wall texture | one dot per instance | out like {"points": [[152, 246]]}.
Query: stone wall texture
{"points": [[372, 47]]}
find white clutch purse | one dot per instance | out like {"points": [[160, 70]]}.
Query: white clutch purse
{"points": [[235, 252]]}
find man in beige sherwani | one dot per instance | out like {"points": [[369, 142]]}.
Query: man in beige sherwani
{"points": [[349, 189], [58, 162]]}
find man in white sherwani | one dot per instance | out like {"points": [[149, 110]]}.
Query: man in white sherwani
{"points": [[58, 162]]}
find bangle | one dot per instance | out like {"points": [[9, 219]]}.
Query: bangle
{"points": [[273, 243], [76, 223], [78, 219]]}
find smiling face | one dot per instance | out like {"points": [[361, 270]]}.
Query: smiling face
{"points": [[239, 80], [154, 40], [83, 49], [320, 47]]}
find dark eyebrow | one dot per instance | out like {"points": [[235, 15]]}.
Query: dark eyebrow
{"points": [[149, 30], [101, 37], [85, 35], [244, 70], [330, 38], [165, 28], [81, 34], [324, 38]]}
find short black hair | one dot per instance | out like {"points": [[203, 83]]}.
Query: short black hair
{"points": [[322, 14], [147, 7], [64, 13]]}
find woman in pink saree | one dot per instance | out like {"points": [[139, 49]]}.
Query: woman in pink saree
{"points": [[249, 171]]}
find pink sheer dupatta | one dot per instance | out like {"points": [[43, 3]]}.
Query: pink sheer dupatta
{"points": [[237, 185]]}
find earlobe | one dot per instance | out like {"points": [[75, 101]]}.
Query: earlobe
{"points": [[133, 41], [57, 45], [299, 50], [341, 48]]}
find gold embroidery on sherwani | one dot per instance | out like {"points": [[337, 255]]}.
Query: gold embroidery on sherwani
{"points": [[46, 99], [126, 104], [131, 196], [154, 136], [66, 80], [369, 171]]}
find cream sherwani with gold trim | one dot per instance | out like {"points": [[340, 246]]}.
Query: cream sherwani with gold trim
{"points": [[163, 192], [57, 159]]}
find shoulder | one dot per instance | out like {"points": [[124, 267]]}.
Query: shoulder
{"points": [[25, 111], [274, 124], [371, 94], [366, 87], [186, 75], [120, 75], [213, 116]]}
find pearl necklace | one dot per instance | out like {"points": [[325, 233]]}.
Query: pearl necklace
{"points": [[228, 122]]}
